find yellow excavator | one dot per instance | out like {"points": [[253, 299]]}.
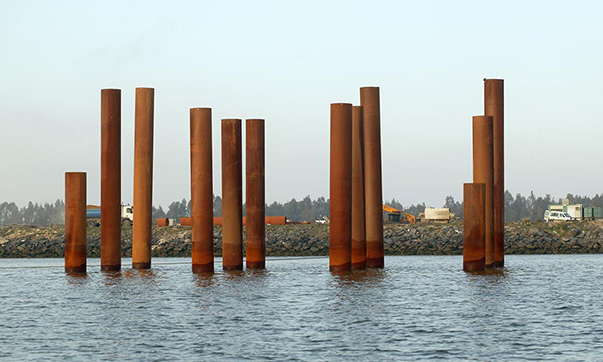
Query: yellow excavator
{"points": [[396, 215]]}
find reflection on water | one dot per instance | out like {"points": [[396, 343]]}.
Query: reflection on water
{"points": [[423, 307]]}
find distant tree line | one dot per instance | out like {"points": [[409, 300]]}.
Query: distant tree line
{"points": [[33, 214], [516, 208]]}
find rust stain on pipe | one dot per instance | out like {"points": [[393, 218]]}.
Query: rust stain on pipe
{"points": [[255, 245], [75, 222], [494, 106], [358, 220], [232, 195], [202, 198], [110, 179], [340, 210], [369, 100], [483, 172], [143, 178], [474, 227]]}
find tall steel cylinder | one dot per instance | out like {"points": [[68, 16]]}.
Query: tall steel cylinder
{"points": [[110, 179], [369, 100], [75, 222], [358, 220], [474, 226], [202, 198], [143, 178], [340, 209], [494, 106], [255, 209], [232, 195], [483, 172]]}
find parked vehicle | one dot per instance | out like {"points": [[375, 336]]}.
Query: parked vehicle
{"points": [[435, 214], [93, 214], [579, 211], [556, 216], [395, 215]]}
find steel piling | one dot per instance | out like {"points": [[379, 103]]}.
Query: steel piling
{"points": [[369, 100], [110, 179], [494, 106], [202, 204], [75, 222], [232, 197], [340, 228], [358, 219], [143, 178], [474, 227], [255, 195], [483, 172]]}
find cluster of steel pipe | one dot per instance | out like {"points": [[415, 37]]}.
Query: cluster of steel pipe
{"points": [[232, 193], [356, 225], [488, 171], [75, 189], [202, 219]]}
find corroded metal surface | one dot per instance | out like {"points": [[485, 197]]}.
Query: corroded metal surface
{"points": [[494, 106], [369, 100], [143, 178], [111, 179], [75, 222], [474, 227], [358, 220], [483, 172], [202, 203], [232, 195], [340, 228], [255, 244]]}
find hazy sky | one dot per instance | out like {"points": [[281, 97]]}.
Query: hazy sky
{"points": [[286, 61]]}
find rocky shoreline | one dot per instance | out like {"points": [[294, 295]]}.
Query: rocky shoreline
{"points": [[313, 240]]}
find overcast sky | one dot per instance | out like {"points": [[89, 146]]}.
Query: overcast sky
{"points": [[286, 61]]}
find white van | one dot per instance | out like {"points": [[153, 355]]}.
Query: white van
{"points": [[556, 216]]}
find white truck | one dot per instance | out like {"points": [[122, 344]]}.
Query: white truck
{"points": [[437, 214], [93, 214], [550, 215]]}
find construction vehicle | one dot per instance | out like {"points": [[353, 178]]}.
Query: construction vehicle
{"points": [[93, 214], [395, 215], [437, 214]]}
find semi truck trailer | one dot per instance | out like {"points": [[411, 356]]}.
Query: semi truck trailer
{"points": [[93, 214]]}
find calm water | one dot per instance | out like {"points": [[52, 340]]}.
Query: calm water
{"points": [[540, 307]]}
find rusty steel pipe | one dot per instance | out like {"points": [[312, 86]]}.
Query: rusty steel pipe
{"points": [[474, 226], [369, 100], [358, 220], [202, 198], [255, 245], [75, 222], [110, 179], [340, 209], [232, 195], [494, 106], [483, 172], [143, 178]]}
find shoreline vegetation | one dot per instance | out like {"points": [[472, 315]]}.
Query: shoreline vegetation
{"points": [[516, 208], [522, 237]]}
